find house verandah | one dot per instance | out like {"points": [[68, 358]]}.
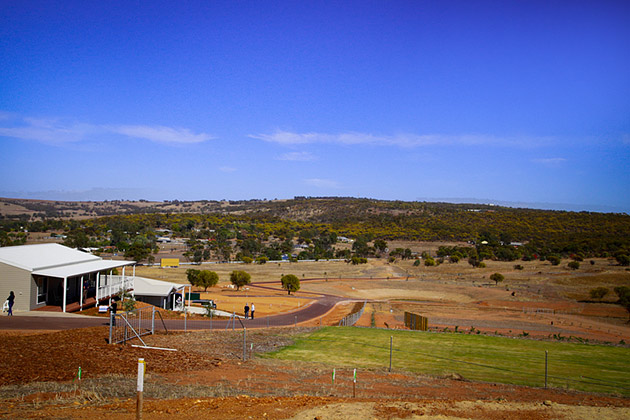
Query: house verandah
{"points": [[52, 276], [82, 289]]}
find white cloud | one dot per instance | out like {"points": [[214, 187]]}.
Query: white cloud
{"points": [[322, 183], [550, 161], [49, 131], [400, 140], [59, 131], [227, 169], [297, 156], [162, 134]]}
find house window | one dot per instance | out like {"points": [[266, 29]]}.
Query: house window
{"points": [[42, 290]]}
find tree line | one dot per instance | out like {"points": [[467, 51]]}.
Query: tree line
{"points": [[271, 229]]}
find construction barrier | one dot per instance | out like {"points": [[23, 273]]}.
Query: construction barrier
{"points": [[416, 322]]}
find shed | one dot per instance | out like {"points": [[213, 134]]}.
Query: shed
{"points": [[158, 293]]}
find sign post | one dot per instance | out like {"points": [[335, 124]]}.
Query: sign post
{"points": [[141, 369]]}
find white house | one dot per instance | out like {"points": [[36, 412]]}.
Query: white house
{"points": [[54, 275]]}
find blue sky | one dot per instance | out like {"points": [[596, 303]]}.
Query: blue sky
{"points": [[504, 101]]}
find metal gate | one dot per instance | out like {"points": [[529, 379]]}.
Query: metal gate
{"points": [[132, 324]]}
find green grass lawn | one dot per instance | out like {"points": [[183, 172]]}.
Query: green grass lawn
{"points": [[593, 368]]}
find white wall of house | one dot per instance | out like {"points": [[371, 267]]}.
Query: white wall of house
{"points": [[19, 281]]}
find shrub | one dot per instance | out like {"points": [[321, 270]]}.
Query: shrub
{"points": [[623, 259], [574, 265], [598, 293], [518, 267], [554, 259]]}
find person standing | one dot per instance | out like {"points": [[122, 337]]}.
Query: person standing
{"points": [[252, 309], [112, 311], [246, 310], [11, 300]]}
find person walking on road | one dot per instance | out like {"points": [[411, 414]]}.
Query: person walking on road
{"points": [[11, 300], [246, 310], [252, 310]]}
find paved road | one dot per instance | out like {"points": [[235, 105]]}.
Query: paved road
{"points": [[57, 321]]}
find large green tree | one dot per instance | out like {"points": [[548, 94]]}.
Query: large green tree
{"points": [[193, 276], [290, 283], [207, 279], [240, 278]]}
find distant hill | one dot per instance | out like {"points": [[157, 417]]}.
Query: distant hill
{"points": [[351, 217]]}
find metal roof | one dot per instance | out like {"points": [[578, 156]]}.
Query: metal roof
{"points": [[72, 270], [55, 260], [40, 256], [143, 286]]}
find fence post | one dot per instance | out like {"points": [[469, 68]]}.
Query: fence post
{"points": [[233, 320], [111, 327], [546, 354], [295, 321], [244, 343], [391, 343], [153, 321], [267, 321]]}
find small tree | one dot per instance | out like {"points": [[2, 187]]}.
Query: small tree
{"points": [[497, 277], [209, 310], [598, 293], [624, 297], [290, 283], [240, 278], [429, 262], [128, 301], [207, 278]]}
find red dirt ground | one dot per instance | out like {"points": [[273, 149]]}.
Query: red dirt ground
{"points": [[256, 388]]}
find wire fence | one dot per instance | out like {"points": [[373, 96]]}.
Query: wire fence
{"points": [[135, 324], [146, 321], [132, 324], [407, 359], [352, 319]]}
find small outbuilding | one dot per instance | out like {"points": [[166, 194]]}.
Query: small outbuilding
{"points": [[158, 293]]}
